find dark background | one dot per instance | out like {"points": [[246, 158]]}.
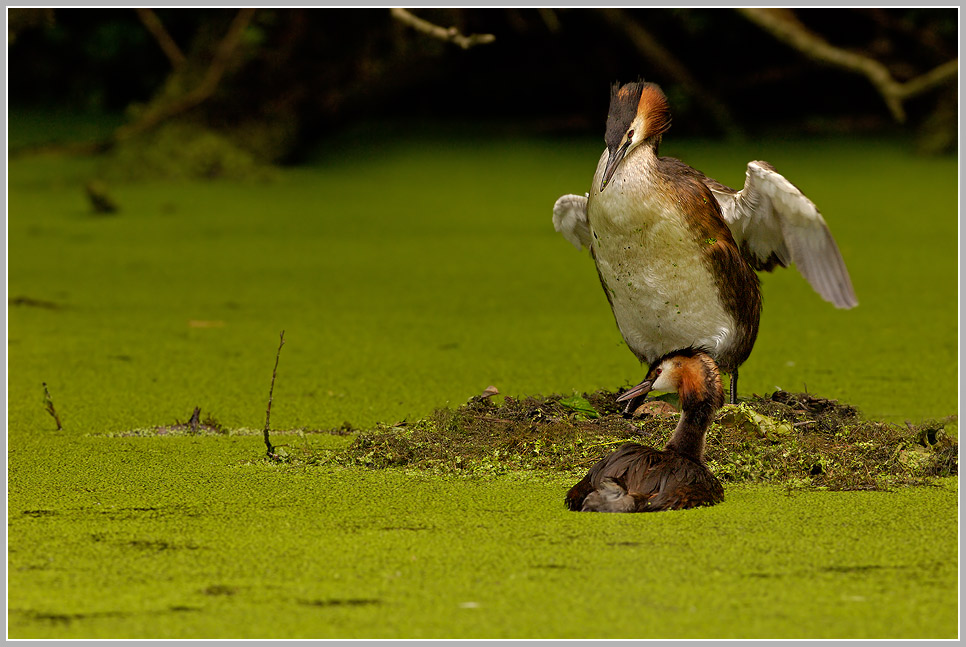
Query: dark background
{"points": [[302, 75]]}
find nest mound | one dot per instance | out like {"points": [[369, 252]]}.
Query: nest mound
{"points": [[792, 438]]}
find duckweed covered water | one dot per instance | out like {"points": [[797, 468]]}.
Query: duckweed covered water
{"points": [[406, 283], [182, 538]]}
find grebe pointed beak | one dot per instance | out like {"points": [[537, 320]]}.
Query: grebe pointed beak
{"points": [[641, 389], [614, 160]]}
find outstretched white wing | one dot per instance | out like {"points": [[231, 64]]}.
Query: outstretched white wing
{"points": [[570, 219], [772, 222]]}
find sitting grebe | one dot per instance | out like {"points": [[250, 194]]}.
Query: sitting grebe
{"points": [[636, 478]]}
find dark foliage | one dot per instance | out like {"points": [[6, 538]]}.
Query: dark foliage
{"points": [[302, 74]]}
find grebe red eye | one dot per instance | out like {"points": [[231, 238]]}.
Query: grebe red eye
{"points": [[630, 135]]}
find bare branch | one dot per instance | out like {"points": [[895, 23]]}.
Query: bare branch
{"points": [[68, 148], [549, 19], [929, 80], [207, 86], [783, 25], [167, 44], [451, 35]]}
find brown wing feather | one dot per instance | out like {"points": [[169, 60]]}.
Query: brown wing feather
{"points": [[614, 466], [737, 282], [636, 478]]}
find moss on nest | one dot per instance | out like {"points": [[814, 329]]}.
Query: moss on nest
{"points": [[790, 438]]}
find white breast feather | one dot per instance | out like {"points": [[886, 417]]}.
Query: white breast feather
{"points": [[663, 295]]}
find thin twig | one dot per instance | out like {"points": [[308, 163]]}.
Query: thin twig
{"points": [[492, 419], [451, 35], [271, 389], [165, 42], [783, 25], [49, 405]]}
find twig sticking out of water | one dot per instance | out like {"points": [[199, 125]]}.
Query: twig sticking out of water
{"points": [[49, 405], [268, 411], [195, 419]]}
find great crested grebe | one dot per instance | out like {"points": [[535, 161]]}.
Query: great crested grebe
{"points": [[676, 251], [636, 478]]}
